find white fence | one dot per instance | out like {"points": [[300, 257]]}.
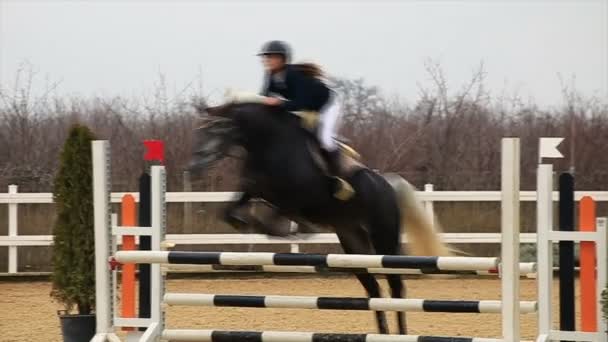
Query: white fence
{"points": [[13, 240]]}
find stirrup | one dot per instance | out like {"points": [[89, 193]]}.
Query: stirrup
{"points": [[345, 191], [349, 151]]}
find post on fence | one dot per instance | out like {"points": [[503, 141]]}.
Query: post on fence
{"points": [[428, 204], [12, 230], [187, 185], [544, 246], [510, 238]]}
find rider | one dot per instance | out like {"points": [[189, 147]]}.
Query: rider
{"points": [[301, 89]]}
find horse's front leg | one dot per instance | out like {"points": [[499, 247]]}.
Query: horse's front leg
{"points": [[233, 215], [272, 224]]}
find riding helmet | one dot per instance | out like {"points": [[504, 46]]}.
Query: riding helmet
{"points": [[276, 47]]}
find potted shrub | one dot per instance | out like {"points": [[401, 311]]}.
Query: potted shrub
{"points": [[74, 244]]}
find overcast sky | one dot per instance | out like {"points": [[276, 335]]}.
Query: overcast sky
{"points": [[120, 47]]}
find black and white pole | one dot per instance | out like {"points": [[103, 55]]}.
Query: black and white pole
{"points": [[525, 269], [286, 336], [303, 259], [341, 303]]}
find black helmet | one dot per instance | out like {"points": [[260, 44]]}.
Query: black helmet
{"points": [[276, 47]]}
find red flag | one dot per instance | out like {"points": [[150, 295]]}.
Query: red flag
{"points": [[155, 150]]}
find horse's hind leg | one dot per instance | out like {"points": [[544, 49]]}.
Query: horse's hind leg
{"points": [[356, 241], [385, 234], [398, 291]]}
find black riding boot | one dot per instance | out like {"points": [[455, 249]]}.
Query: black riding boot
{"points": [[333, 162], [339, 187]]}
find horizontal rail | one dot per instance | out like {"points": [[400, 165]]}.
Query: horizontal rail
{"points": [[131, 231], [576, 236], [322, 238], [525, 268], [556, 335], [301, 259], [342, 303], [285, 336], [250, 239], [132, 322], [211, 197]]}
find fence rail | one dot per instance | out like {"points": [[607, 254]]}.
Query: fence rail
{"points": [[13, 240]]}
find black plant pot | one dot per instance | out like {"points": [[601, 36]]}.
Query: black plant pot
{"points": [[76, 328]]}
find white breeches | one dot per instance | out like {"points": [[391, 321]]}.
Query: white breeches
{"points": [[328, 124]]}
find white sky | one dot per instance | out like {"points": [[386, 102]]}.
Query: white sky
{"points": [[119, 47]]}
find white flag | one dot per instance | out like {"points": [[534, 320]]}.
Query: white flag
{"points": [[548, 148]]}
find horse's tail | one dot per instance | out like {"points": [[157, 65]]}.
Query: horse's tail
{"points": [[422, 235]]}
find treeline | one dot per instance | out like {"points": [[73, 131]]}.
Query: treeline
{"points": [[447, 137]]}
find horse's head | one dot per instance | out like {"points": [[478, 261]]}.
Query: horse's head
{"points": [[225, 126]]}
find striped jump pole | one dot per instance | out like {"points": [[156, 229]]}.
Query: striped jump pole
{"points": [[525, 269], [342, 303], [284, 336], [302, 259]]}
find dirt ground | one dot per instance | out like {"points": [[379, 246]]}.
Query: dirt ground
{"points": [[28, 314]]}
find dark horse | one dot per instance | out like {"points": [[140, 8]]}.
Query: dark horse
{"points": [[280, 169]]}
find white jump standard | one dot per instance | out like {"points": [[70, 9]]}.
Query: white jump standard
{"points": [[155, 325], [509, 307]]}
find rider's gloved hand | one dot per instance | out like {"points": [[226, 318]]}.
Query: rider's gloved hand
{"points": [[272, 101]]}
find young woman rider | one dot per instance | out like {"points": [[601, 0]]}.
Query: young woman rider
{"points": [[299, 87]]}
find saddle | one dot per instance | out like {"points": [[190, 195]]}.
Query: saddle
{"points": [[350, 160]]}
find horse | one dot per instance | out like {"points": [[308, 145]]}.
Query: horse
{"points": [[280, 168]]}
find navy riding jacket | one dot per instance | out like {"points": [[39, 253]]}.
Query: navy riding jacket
{"points": [[301, 91]]}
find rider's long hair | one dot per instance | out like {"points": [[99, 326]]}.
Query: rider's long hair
{"points": [[310, 69]]}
